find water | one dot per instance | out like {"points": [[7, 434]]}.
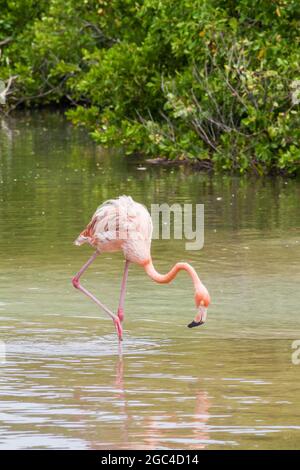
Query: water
{"points": [[64, 384]]}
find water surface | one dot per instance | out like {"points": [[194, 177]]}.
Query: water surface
{"points": [[64, 384]]}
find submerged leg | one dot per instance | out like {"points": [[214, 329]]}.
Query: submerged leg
{"points": [[123, 291], [77, 285]]}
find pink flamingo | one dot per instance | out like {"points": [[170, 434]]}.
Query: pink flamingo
{"points": [[123, 224]]}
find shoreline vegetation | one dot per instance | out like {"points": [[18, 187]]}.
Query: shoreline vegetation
{"points": [[212, 82]]}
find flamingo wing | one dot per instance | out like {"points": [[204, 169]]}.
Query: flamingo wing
{"points": [[114, 221]]}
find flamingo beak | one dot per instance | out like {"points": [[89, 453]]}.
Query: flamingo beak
{"points": [[200, 318]]}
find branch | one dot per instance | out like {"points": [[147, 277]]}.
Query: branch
{"points": [[5, 41], [203, 135], [99, 35], [41, 94]]}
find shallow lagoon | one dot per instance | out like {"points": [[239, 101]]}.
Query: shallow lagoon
{"points": [[229, 384]]}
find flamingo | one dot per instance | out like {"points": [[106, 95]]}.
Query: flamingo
{"points": [[125, 225]]}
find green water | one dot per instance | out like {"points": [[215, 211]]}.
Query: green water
{"points": [[228, 384]]}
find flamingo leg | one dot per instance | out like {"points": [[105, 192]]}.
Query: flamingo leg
{"points": [[123, 291], [77, 285]]}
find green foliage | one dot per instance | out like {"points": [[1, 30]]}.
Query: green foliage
{"points": [[211, 80]]}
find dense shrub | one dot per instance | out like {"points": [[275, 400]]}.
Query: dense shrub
{"points": [[216, 81]]}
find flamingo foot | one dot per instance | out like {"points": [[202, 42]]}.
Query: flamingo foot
{"points": [[119, 328], [121, 314]]}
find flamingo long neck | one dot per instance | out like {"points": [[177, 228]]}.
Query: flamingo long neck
{"points": [[166, 278]]}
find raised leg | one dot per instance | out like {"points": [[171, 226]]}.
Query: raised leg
{"points": [[77, 285], [123, 291]]}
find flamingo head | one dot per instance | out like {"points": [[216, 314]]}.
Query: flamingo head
{"points": [[202, 301]]}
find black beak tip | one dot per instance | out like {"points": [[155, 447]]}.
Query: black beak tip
{"points": [[195, 323]]}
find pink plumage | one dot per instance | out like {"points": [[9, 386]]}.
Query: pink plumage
{"points": [[120, 224]]}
